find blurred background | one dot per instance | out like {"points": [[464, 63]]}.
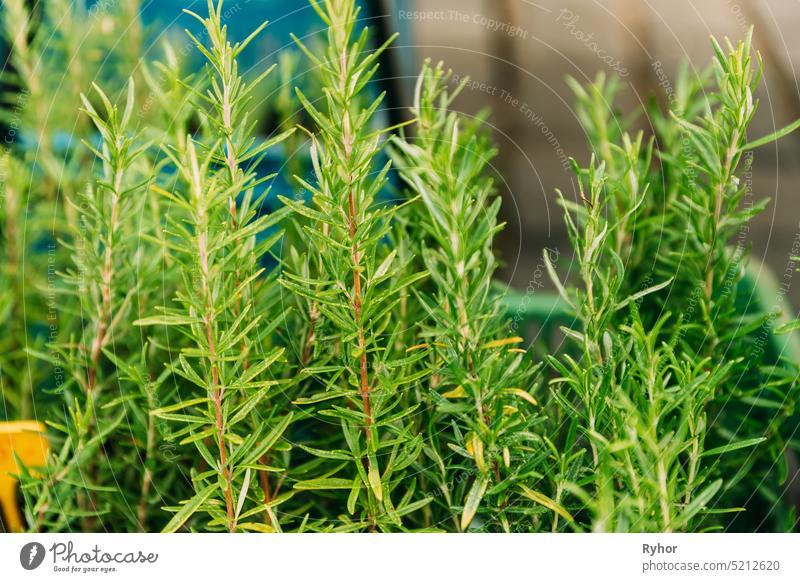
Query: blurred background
{"points": [[517, 54], [519, 51]]}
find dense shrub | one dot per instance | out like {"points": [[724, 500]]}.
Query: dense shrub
{"points": [[211, 353]]}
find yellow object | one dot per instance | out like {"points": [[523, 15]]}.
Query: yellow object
{"points": [[27, 440], [519, 392], [458, 392], [503, 342]]}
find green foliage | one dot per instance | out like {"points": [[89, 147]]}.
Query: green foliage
{"points": [[351, 284], [206, 362], [481, 406], [666, 359], [638, 402], [101, 290], [225, 304]]}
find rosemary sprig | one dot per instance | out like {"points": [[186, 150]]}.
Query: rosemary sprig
{"points": [[348, 285], [103, 285], [677, 259], [486, 377], [218, 245]]}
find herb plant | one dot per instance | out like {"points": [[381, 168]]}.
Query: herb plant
{"points": [[353, 284], [661, 314], [482, 407], [214, 351]]}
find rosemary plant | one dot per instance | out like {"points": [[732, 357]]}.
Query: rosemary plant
{"points": [[205, 361], [215, 241], [665, 249], [103, 285], [486, 413], [716, 204], [17, 379], [353, 289], [629, 395]]}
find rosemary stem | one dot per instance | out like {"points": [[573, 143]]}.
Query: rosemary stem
{"points": [[147, 475], [216, 389]]}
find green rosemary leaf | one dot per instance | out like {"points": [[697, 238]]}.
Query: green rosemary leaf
{"points": [[179, 406], [474, 498], [545, 501], [166, 320], [733, 447], [188, 509], [768, 139], [269, 441], [328, 454], [323, 484], [353, 496]]}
